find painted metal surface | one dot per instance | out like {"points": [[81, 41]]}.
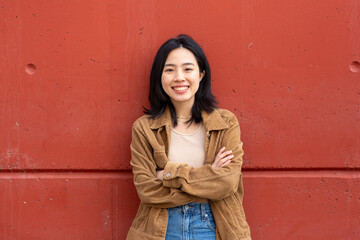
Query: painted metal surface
{"points": [[74, 76], [66, 205]]}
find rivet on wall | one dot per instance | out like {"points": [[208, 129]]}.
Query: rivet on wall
{"points": [[30, 68], [354, 66]]}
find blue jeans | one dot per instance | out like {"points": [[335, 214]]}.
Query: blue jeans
{"points": [[193, 221]]}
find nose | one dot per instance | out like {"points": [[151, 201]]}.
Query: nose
{"points": [[179, 76]]}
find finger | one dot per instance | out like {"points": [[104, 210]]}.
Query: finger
{"points": [[223, 155], [222, 161], [220, 151], [218, 162], [226, 163], [218, 156]]}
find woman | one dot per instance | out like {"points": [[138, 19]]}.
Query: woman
{"points": [[186, 154]]}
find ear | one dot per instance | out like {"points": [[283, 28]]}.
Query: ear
{"points": [[202, 74]]}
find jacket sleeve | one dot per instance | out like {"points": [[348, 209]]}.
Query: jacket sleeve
{"points": [[206, 181], [151, 190]]}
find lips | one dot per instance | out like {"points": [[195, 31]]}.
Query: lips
{"points": [[180, 88]]}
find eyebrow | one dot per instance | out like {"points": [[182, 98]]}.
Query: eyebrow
{"points": [[173, 65]]}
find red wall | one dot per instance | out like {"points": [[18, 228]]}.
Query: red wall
{"points": [[74, 76]]}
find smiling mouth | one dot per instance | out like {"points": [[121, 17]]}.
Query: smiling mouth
{"points": [[180, 88]]}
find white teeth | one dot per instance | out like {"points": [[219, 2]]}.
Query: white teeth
{"points": [[180, 88]]}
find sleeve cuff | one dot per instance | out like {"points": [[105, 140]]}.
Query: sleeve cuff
{"points": [[169, 178]]}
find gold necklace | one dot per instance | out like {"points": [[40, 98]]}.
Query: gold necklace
{"points": [[183, 119]]}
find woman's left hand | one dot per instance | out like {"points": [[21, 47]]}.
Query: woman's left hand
{"points": [[159, 174]]}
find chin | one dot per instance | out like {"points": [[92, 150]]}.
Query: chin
{"points": [[181, 100]]}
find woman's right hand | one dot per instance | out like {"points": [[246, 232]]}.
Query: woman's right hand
{"points": [[223, 158]]}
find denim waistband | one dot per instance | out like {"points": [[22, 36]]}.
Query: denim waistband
{"points": [[193, 208]]}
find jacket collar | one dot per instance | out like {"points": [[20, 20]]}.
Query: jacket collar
{"points": [[211, 121]]}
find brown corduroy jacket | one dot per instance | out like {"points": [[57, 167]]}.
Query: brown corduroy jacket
{"points": [[183, 184]]}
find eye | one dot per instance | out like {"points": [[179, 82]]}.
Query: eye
{"points": [[168, 70], [188, 69]]}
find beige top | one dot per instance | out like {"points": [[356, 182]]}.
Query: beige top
{"points": [[188, 148]]}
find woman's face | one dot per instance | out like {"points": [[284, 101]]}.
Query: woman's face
{"points": [[181, 76]]}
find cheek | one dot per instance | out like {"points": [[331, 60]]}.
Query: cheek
{"points": [[196, 80], [198, 85], [164, 83]]}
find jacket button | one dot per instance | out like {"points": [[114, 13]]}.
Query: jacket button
{"points": [[168, 174]]}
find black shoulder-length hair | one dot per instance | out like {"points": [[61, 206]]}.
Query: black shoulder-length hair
{"points": [[159, 100]]}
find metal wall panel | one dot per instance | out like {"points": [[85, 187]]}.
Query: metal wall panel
{"points": [[78, 205], [74, 76]]}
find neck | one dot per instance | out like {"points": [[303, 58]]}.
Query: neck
{"points": [[183, 109]]}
